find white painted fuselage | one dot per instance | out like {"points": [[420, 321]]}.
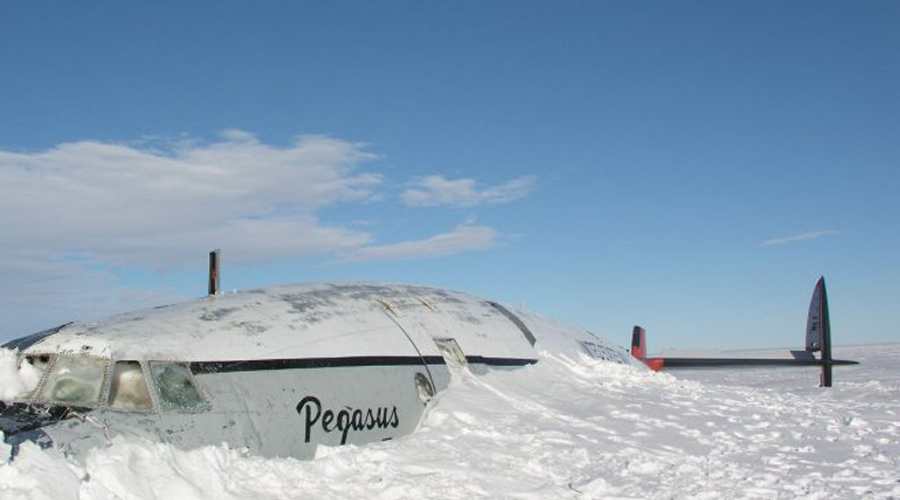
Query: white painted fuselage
{"points": [[278, 370]]}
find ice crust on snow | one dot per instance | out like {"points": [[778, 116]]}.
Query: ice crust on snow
{"points": [[15, 381], [563, 428]]}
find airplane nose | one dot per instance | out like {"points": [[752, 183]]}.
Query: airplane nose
{"points": [[17, 417]]}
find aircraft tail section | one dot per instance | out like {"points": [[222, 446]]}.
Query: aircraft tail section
{"points": [[639, 343], [639, 349], [818, 330], [814, 324], [817, 339]]}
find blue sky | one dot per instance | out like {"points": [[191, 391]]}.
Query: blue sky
{"points": [[692, 167]]}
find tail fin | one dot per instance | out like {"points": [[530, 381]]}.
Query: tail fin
{"points": [[639, 349], [639, 343], [818, 330], [814, 319]]}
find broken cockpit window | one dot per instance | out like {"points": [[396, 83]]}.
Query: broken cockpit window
{"points": [[75, 380], [32, 369], [128, 390], [175, 387], [19, 375]]}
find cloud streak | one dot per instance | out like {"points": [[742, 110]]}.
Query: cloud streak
{"points": [[465, 238], [435, 190], [812, 235]]}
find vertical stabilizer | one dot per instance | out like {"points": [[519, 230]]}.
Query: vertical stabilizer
{"points": [[814, 319], [818, 330], [639, 343]]}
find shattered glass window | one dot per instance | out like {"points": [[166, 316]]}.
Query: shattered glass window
{"points": [[75, 380], [128, 391], [175, 387]]}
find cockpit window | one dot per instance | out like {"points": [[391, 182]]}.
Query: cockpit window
{"points": [[75, 380], [175, 387], [128, 390]]}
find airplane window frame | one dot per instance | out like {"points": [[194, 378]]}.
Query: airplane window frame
{"points": [[157, 394], [146, 384], [40, 393]]}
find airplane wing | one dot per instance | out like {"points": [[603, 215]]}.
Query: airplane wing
{"points": [[817, 339]]}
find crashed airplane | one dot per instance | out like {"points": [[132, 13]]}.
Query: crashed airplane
{"points": [[278, 371]]}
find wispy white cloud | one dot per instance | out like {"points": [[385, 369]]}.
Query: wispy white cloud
{"points": [[812, 235], [465, 238], [122, 205], [436, 190]]}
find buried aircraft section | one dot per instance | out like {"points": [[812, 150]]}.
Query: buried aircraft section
{"points": [[278, 370]]}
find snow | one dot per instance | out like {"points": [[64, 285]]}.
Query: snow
{"points": [[563, 428], [16, 381]]}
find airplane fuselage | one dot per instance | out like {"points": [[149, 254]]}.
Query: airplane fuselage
{"points": [[278, 371]]}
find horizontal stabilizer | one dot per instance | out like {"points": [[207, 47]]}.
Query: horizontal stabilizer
{"points": [[675, 363]]}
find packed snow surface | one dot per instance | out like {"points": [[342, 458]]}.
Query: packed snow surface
{"points": [[563, 428]]}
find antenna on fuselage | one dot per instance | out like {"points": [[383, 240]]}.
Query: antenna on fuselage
{"points": [[214, 272]]}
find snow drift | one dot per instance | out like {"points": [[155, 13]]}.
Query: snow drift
{"points": [[563, 428]]}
